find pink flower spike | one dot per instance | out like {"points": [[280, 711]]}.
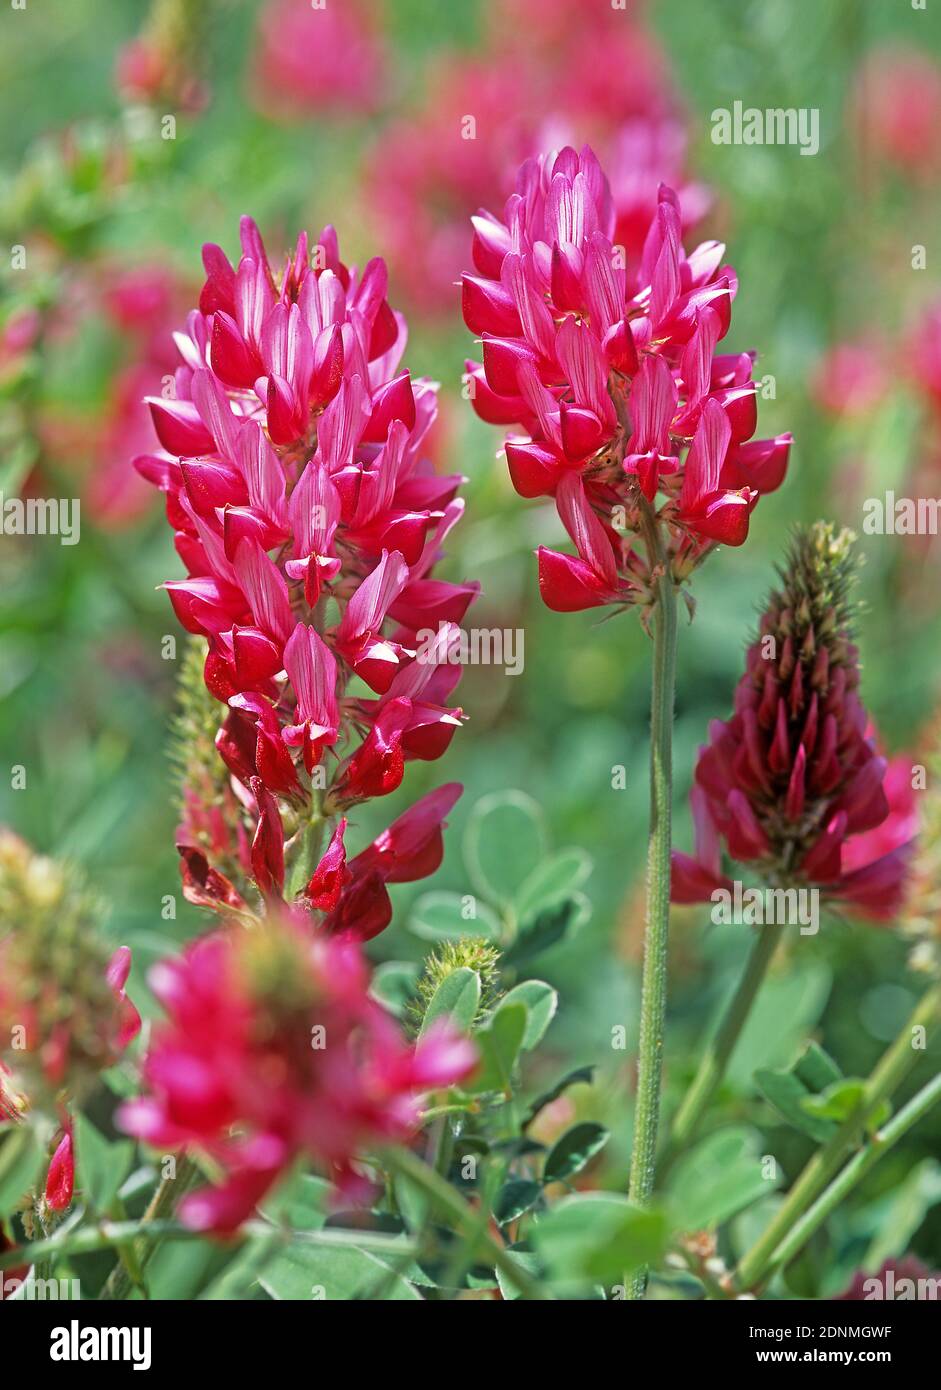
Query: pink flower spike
{"points": [[60, 1180], [268, 843], [365, 613], [376, 767], [294, 461], [412, 847], [589, 535], [313, 673], [265, 589], [179, 427], [331, 874], [704, 465]]}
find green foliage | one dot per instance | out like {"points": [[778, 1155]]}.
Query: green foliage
{"points": [[598, 1238], [21, 1162], [526, 897], [717, 1178], [574, 1151], [788, 1091]]}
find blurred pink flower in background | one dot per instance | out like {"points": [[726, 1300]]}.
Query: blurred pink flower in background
{"points": [[315, 59], [148, 71], [896, 110], [18, 335], [141, 303], [923, 355], [427, 170], [596, 60], [550, 73], [889, 1281], [900, 827], [644, 153], [849, 379]]}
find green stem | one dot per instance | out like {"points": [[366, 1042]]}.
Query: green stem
{"points": [[160, 1208], [109, 1235], [85, 1240], [894, 1066], [854, 1172], [451, 1204], [654, 980], [717, 1054]]}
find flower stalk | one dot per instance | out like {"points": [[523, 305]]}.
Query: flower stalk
{"points": [[160, 1209], [654, 982]]}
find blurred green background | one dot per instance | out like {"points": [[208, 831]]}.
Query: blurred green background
{"points": [[823, 248]]}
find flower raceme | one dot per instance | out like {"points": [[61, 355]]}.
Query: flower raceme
{"points": [[272, 1050], [793, 783], [612, 371], [309, 522]]}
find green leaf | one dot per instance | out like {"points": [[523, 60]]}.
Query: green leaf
{"points": [[787, 1094], [557, 877], [504, 842], [546, 929], [21, 1160], [529, 1264], [599, 1237], [574, 1150], [722, 1175], [791, 1003], [787, 1090], [440, 916], [541, 1000], [304, 1274], [838, 1101], [457, 997], [499, 1042], [359, 1219], [514, 1198], [301, 1201], [393, 984], [101, 1165], [580, 1076], [816, 1068]]}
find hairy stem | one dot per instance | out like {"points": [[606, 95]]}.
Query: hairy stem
{"points": [[654, 981]]}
